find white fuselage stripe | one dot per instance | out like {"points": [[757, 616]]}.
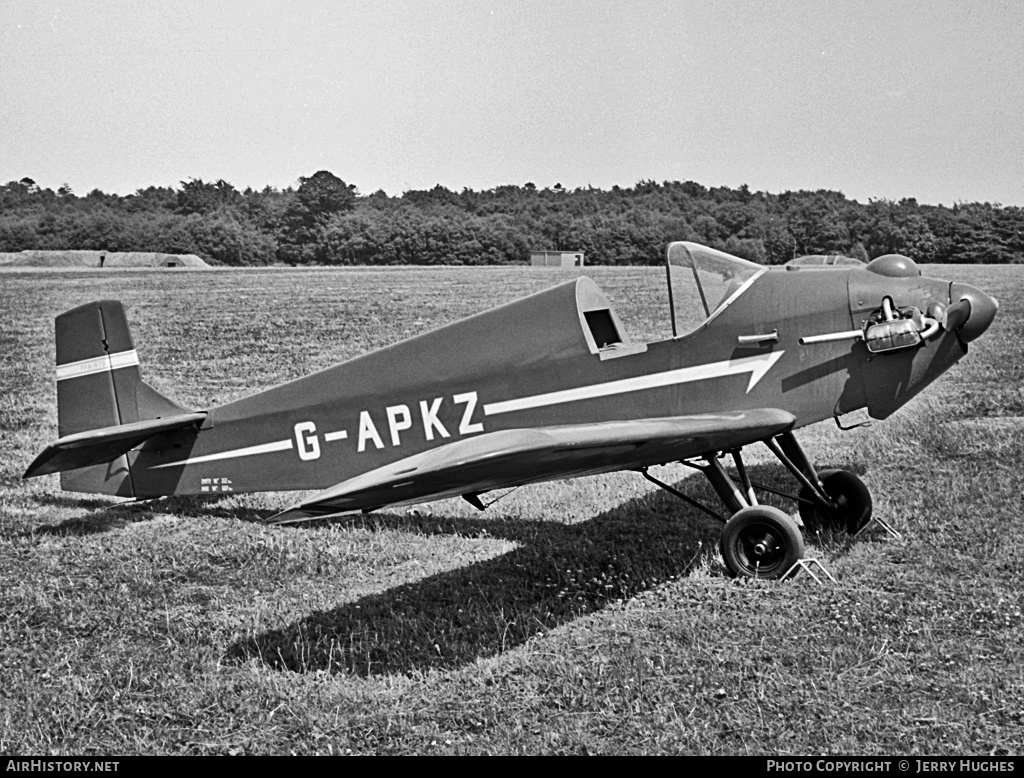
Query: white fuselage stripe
{"points": [[106, 363], [756, 366], [248, 451]]}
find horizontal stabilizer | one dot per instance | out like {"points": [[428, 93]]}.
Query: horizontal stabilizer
{"points": [[508, 458], [95, 447]]}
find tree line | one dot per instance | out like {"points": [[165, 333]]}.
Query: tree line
{"points": [[325, 221]]}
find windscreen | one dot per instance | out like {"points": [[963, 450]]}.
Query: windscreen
{"points": [[703, 281]]}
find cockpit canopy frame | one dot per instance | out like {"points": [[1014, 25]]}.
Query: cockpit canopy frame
{"points": [[705, 276]]}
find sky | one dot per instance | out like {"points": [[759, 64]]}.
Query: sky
{"points": [[876, 99]]}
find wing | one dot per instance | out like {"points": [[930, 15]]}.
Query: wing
{"points": [[95, 447], [508, 458]]}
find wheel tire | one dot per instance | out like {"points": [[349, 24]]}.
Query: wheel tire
{"points": [[761, 542], [853, 502]]}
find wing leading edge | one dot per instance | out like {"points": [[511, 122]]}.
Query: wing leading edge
{"points": [[515, 457]]}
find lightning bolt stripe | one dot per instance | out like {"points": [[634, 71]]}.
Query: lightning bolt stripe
{"points": [[102, 364], [757, 366]]}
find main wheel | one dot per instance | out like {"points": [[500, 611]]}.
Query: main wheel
{"points": [[761, 542], [852, 499]]}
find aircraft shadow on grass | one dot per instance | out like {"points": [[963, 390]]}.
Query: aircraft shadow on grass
{"points": [[556, 574], [106, 515]]}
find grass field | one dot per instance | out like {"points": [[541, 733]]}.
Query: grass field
{"points": [[587, 616]]}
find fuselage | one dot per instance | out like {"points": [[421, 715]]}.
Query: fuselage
{"points": [[560, 357]]}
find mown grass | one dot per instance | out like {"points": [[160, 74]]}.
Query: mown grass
{"points": [[587, 616]]}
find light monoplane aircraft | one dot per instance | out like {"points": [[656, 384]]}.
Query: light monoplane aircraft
{"points": [[547, 387]]}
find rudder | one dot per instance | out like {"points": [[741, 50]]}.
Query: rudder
{"points": [[99, 385], [96, 364]]}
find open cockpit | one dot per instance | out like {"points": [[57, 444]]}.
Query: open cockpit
{"points": [[702, 282]]}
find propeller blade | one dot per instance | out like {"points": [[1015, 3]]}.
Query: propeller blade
{"points": [[957, 315]]}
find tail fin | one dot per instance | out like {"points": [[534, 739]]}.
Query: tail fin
{"points": [[99, 385]]}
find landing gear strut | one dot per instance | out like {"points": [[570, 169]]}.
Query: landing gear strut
{"points": [[759, 541]]}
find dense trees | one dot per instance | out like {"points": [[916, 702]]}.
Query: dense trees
{"points": [[325, 221]]}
